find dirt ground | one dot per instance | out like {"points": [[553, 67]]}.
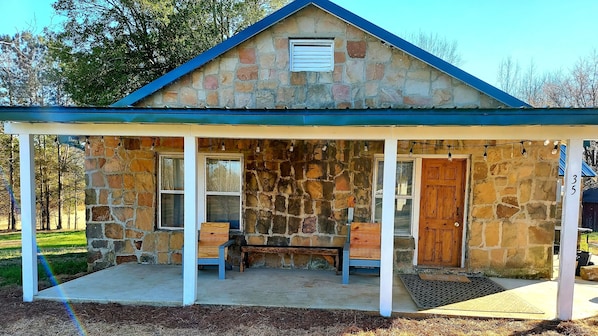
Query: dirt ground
{"points": [[54, 318]]}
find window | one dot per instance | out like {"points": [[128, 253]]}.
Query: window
{"points": [[311, 55], [223, 190], [220, 186], [403, 195], [171, 192]]}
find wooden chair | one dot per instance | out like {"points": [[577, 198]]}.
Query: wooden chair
{"points": [[212, 247], [362, 248]]}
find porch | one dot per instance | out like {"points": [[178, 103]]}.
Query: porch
{"points": [[163, 285]]}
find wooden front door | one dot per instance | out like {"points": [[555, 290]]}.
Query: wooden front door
{"points": [[441, 212]]}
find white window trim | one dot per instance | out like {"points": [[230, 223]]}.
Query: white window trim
{"points": [[326, 60], [415, 194], [201, 171], [176, 155]]}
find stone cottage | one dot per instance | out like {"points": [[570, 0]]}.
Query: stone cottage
{"points": [[276, 128], [294, 191]]}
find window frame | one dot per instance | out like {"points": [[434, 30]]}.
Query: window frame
{"points": [[172, 192], [414, 197], [202, 185], [295, 43]]}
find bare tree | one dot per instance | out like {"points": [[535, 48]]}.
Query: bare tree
{"points": [[437, 46]]}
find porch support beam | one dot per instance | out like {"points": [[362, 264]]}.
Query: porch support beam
{"points": [[387, 228], [190, 229], [570, 221], [28, 243]]}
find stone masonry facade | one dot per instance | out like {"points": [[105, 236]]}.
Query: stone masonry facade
{"points": [[299, 197]]}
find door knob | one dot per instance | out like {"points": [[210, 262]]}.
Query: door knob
{"points": [[457, 224]]}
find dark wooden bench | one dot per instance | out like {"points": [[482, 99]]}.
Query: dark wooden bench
{"points": [[318, 250]]}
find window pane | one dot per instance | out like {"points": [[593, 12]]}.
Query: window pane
{"points": [[172, 210], [172, 173], [223, 175], [224, 209], [404, 185], [404, 178], [403, 213]]}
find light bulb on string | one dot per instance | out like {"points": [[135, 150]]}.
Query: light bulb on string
{"points": [[222, 146], [258, 148], [523, 150], [485, 152], [292, 147], [556, 147], [366, 146], [411, 149], [153, 144], [325, 147], [450, 155]]}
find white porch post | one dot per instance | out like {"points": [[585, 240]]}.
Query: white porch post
{"points": [[570, 220], [28, 243], [190, 229], [387, 229]]}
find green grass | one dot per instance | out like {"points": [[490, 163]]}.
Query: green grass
{"points": [[46, 240], [63, 254], [593, 240]]}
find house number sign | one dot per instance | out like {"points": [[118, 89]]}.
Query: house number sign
{"points": [[573, 189]]}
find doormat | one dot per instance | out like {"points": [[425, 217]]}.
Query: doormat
{"points": [[479, 294], [444, 277]]}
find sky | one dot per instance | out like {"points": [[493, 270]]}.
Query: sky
{"points": [[553, 34]]}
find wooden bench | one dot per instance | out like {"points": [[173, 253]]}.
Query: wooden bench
{"points": [[317, 250]]}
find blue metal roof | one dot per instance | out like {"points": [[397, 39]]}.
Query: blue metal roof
{"points": [[586, 170], [321, 117], [343, 14]]}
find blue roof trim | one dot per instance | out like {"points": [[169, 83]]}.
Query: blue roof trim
{"points": [[344, 15], [586, 170], [321, 117]]}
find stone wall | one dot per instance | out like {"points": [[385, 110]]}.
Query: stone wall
{"points": [[299, 197], [367, 74]]}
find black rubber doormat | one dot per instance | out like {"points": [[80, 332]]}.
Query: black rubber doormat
{"points": [[480, 294]]}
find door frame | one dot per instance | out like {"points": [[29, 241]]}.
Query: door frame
{"points": [[415, 224]]}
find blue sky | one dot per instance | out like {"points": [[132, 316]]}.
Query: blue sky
{"points": [[553, 34]]}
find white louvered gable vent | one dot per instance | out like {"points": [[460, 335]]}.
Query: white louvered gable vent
{"points": [[311, 55]]}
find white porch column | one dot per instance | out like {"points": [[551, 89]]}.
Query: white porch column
{"points": [[190, 230], [570, 222], [387, 229], [28, 243]]}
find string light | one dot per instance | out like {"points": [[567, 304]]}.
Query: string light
{"points": [[546, 142], [87, 142], [102, 139], [292, 147], [120, 141], [153, 144], [366, 147], [523, 150], [325, 147], [485, 152], [450, 155], [556, 147], [258, 148], [411, 149], [222, 146]]}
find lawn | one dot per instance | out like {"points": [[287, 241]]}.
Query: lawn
{"points": [[592, 241], [61, 253]]}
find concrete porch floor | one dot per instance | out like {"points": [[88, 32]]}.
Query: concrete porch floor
{"points": [[163, 285]]}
